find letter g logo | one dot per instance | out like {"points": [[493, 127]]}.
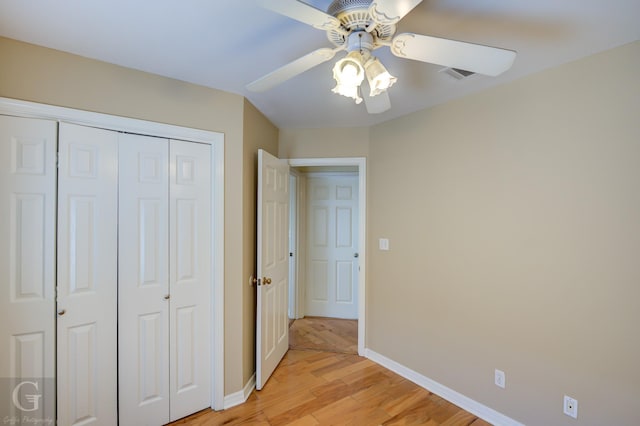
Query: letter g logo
{"points": [[34, 399]]}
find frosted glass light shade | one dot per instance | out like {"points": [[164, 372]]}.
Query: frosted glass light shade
{"points": [[378, 76], [349, 74]]}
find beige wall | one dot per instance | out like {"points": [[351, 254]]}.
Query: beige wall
{"points": [[514, 224], [258, 133], [320, 143], [48, 76]]}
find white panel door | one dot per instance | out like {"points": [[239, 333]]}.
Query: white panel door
{"points": [[272, 328], [87, 276], [332, 247], [143, 280], [27, 253], [190, 277]]}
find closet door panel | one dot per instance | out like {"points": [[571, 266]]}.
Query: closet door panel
{"points": [[143, 280], [190, 277], [27, 253], [87, 275]]}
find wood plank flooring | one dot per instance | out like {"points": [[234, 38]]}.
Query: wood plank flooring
{"points": [[312, 387], [324, 334]]}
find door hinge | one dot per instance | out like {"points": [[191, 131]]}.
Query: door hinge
{"points": [[57, 160]]}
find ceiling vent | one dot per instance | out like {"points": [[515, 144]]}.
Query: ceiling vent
{"points": [[457, 73]]}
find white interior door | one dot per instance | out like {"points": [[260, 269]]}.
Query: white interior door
{"points": [[272, 328], [27, 253], [87, 276], [190, 277], [332, 246], [143, 280]]}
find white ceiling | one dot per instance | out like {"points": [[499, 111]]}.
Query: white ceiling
{"points": [[227, 44]]}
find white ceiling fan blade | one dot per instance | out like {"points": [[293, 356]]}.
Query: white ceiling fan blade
{"points": [[477, 58], [376, 104], [292, 69], [302, 12], [389, 12]]}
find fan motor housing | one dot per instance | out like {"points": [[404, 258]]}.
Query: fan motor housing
{"points": [[354, 16]]}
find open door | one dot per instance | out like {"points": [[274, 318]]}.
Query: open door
{"points": [[272, 323]]}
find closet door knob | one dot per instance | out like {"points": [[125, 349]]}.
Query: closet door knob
{"points": [[61, 312], [167, 297]]}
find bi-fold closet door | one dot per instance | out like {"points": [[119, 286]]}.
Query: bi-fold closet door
{"points": [[164, 274], [87, 282], [114, 304], [27, 265], [134, 278]]}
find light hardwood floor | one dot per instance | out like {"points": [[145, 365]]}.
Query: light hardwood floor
{"points": [[324, 388], [312, 387], [324, 334]]}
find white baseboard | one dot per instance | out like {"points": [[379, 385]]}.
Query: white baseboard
{"points": [[468, 404], [240, 397]]}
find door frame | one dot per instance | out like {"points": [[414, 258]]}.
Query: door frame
{"points": [[361, 163], [294, 187], [216, 140]]}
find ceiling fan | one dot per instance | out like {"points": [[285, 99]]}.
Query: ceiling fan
{"points": [[362, 26]]}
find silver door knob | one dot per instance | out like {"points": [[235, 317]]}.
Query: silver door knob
{"points": [[355, 255], [167, 297]]}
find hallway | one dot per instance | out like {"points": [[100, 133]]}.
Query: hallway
{"points": [[324, 334]]}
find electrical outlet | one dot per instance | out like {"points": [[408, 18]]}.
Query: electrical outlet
{"points": [[499, 378], [383, 244], [571, 406]]}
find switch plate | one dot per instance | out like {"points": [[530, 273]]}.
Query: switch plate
{"points": [[499, 378], [384, 244], [571, 406]]}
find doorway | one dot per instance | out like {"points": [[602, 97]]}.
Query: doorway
{"points": [[302, 171]]}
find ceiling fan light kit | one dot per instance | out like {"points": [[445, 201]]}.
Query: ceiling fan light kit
{"points": [[349, 72], [360, 27]]}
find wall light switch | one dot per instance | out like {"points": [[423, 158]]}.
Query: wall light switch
{"points": [[384, 244], [499, 378]]}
